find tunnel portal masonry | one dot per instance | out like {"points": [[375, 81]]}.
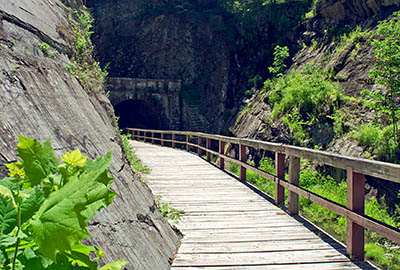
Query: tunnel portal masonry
{"points": [[146, 103]]}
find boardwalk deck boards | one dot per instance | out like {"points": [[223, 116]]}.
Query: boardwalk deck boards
{"points": [[227, 226]]}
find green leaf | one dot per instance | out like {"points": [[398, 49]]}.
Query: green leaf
{"points": [[117, 265], [80, 254], [6, 241], [6, 192], [29, 206], [8, 214], [38, 161], [61, 221], [74, 158]]}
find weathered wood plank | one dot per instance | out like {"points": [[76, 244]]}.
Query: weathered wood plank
{"points": [[228, 226]]}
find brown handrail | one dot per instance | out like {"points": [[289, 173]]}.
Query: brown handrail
{"points": [[356, 169]]}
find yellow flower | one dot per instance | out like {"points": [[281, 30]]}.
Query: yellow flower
{"points": [[74, 158], [15, 169]]}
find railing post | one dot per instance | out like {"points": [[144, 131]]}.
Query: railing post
{"points": [[187, 142], [134, 134], [355, 202], [199, 144], [280, 174], [242, 158], [208, 146], [162, 139], [152, 137], [294, 172], [173, 140], [222, 151]]}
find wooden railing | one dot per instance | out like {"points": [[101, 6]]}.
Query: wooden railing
{"points": [[356, 169]]}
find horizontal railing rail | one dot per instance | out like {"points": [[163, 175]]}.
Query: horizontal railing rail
{"points": [[356, 169]]}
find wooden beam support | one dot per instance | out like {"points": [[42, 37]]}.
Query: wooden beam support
{"points": [[152, 137], [242, 157], [162, 139], [294, 173], [187, 143], [173, 140], [280, 174], [355, 202], [208, 146], [199, 143], [222, 151]]}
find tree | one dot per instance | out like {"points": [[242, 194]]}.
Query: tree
{"points": [[387, 70], [280, 56]]}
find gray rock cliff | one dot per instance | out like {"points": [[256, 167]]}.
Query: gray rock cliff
{"points": [[40, 99]]}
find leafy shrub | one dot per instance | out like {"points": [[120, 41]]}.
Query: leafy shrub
{"points": [[379, 140], [386, 71], [172, 214], [280, 56], [248, 93], [135, 162], [84, 67], [45, 208], [303, 98]]}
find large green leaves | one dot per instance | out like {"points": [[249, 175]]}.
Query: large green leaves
{"points": [[38, 161], [62, 219]]}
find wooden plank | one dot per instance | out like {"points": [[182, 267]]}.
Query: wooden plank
{"points": [[296, 266], [226, 225], [269, 258]]}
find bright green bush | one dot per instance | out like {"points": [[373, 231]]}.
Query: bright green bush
{"points": [[303, 98], [45, 208], [379, 140]]}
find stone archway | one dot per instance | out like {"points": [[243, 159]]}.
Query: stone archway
{"points": [[137, 114]]}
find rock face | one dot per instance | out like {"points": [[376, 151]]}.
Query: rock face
{"points": [[145, 39], [349, 63], [40, 99], [353, 11]]}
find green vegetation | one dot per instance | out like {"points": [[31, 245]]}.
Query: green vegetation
{"points": [[135, 162], [303, 99], [382, 136], [45, 208], [84, 67], [45, 48], [378, 249], [280, 56], [172, 214]]}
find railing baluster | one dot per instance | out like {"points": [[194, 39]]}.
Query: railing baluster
{"points": [[355, 202], [280, 174], [293, 198], [152, 137], [173, 140], [208, 145], [162, 139], [221, 151], [199, 142], [187, 143], [242, 157]]}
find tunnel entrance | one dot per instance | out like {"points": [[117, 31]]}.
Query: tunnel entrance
{"points": [[137, 114]]}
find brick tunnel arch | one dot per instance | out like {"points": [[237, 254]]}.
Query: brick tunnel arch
{"points": [[134, 113]]}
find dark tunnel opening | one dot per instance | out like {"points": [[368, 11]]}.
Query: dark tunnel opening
{"points": [[137, 114]]}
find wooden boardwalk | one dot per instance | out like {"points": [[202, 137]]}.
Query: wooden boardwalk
{"points": [[227, 225]]}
